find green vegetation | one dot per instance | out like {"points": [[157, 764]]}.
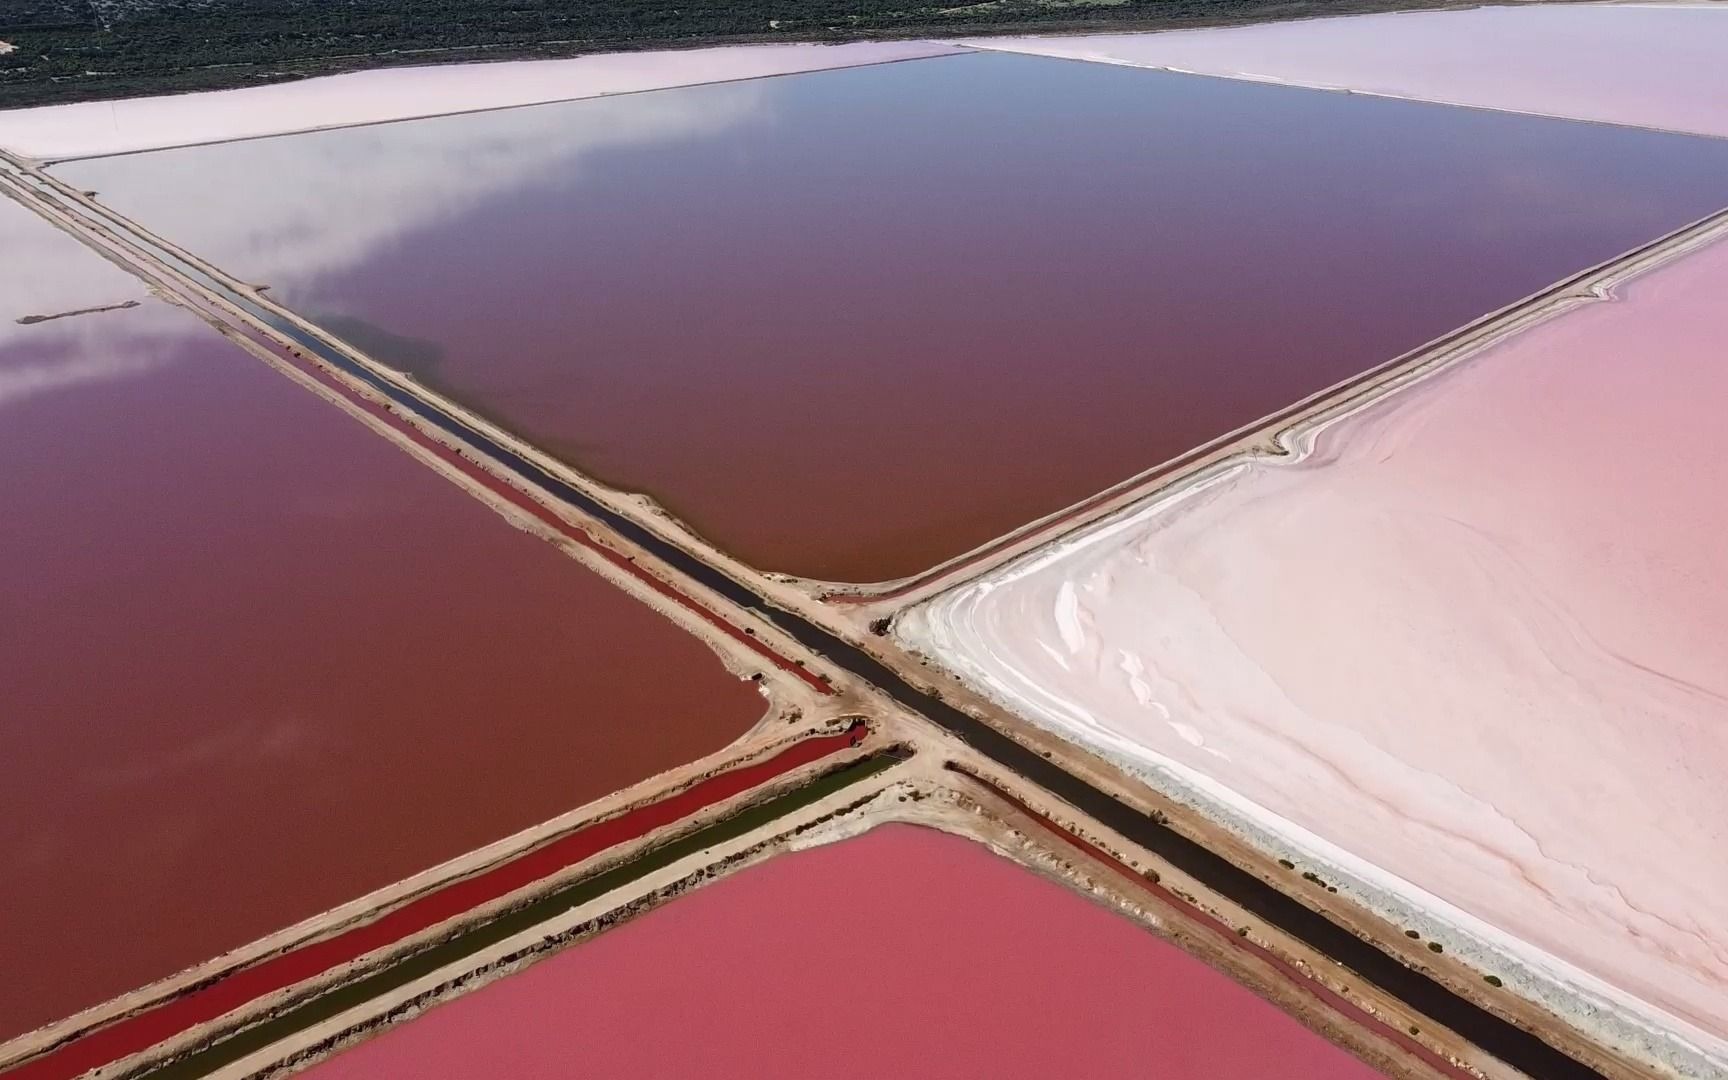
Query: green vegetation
{"points": [[1309, 875], [72, 50]]}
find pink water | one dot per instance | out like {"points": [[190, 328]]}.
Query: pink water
{"points": [[904, 952]]}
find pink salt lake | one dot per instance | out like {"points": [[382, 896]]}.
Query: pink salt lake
{"points": [[1471, 647], [683, 294], [904, 952]]}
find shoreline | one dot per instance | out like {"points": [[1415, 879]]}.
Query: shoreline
{"points": [[841, 29], [327, 105]]}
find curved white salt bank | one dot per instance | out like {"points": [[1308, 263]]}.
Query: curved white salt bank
{"points": [[89, 129], [1654, 65], [1467, 651]]}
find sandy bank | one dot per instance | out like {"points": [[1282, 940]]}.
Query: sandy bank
{"points": [[88, 129], [1646, 65]]}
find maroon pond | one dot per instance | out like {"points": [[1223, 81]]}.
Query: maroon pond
{"points": [[256, 661], [854, 323]]}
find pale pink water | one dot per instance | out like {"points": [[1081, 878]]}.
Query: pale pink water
{"points": [[1477, 640], [1655, 65], [904, 952]]}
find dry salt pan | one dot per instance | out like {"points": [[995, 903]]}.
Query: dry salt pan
{"points": [[1466, 648]]}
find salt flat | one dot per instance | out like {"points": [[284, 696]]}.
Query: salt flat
{"points": [[1646, 65], [1466, 649]]}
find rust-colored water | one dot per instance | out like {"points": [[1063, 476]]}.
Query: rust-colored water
{"points": [[853, 323], [258, 662], [903, 952]]}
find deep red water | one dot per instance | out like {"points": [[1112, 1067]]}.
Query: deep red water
{"points": [[853, 323], [258, 662], [903, 952]]}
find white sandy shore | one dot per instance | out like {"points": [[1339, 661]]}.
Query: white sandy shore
{"points": [[1466, 652], [1643, 65], [88, 129]]}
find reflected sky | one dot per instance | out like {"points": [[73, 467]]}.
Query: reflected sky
{"points": [[334, 201], [849, 324], [47, 272]]}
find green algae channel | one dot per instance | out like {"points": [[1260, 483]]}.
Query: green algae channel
{"points": [[298, 1018]]}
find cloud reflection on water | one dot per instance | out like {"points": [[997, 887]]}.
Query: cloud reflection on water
{"points": [[335, 197], [48, 272]]}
